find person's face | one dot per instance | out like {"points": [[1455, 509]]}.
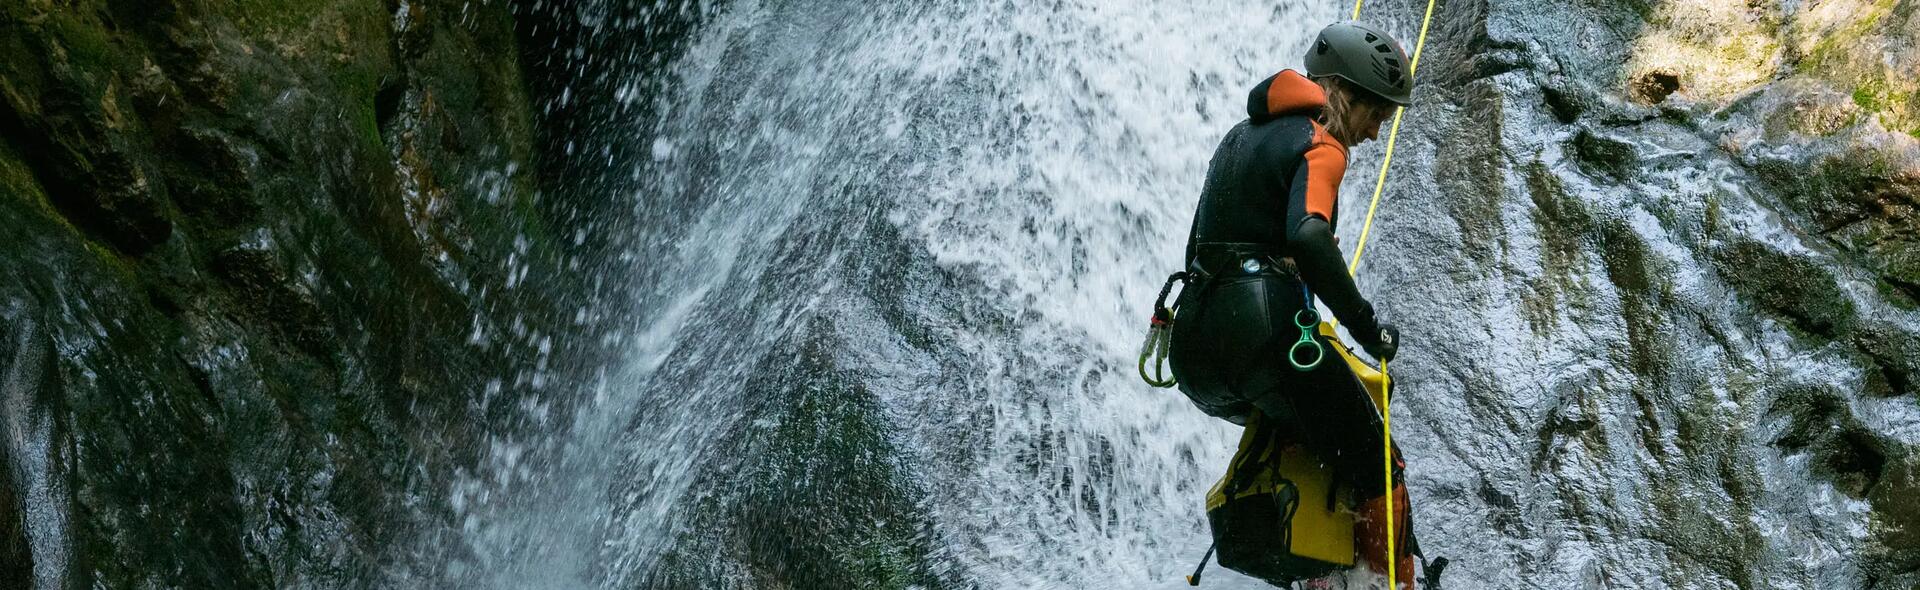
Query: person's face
{"points": [[1369, 116]]}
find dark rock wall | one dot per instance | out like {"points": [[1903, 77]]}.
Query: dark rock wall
{"points": [[594, 68], [1722, 199], [288, 259]]}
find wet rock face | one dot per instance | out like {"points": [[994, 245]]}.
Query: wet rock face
{"points": [[281, 254], [1867, 200], [1801, 291], [1843, 449], [1691, 267]]}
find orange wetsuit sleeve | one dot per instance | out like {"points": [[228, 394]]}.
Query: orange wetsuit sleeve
{"points": [[1326, 166], [1310, 235]]}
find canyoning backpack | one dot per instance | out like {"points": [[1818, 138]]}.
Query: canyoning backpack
{"points": [[1278, 516]]}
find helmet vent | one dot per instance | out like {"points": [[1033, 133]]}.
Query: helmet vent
{"points": [[1371, 38], [1322, 48], [1383, 48]]}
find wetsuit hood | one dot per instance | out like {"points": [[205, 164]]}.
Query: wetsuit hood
{"points": [[1286, 93]]}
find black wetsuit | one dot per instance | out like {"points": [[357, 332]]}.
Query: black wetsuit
{"points": [[1270, 197]]}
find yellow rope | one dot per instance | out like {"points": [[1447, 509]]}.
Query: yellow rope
{"points": [[1386, 429], [1379, 185], [1393, 136]]}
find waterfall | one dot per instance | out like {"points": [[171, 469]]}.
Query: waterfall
{"points": [[1015, 176], [32, 455]]}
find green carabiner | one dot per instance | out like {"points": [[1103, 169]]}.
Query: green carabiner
{"points": [[1306, 320]]}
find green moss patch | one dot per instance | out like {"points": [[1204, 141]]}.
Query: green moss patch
{"points": [[1642, 283], [1831, 48], [1894, 354], [88, 45], [1711, 477], [1861, 201], [1473, 176], [1611, 157], [17, 183], [1562, 224], [1865, 96], [812, 493], [1843, 450], [1893, 554], [1791, 287], [1566, 229], [1852, 57]]}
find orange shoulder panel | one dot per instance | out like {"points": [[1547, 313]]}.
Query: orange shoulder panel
{"points": [[1326, 165]]}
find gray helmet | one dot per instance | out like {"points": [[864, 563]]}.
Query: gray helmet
{"points": [[1365, 56]]}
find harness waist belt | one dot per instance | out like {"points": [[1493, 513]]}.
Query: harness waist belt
{"points": [[1215, 259]]}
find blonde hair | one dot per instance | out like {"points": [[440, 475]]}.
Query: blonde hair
{"points": [[1342, 97]]}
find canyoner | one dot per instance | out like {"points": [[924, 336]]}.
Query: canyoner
{"points": [[1316, 486]]}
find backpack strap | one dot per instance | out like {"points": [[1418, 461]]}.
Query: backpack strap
{"points": [[1255, 451]]}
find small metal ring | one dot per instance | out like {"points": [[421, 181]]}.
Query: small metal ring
{"points": [[1311, 319], [1293, 354]]}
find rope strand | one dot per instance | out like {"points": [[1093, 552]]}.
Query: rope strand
{"points": [[1379, 186]]}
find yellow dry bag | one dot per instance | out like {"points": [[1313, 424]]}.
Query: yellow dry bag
{"points": [[1275, 514]]}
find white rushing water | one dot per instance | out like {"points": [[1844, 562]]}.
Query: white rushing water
{"points": [[1048, 151], [962, 212]]}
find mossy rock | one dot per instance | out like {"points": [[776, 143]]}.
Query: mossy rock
{"points": [[1642, 282], [1843, 449], [1892, 557], [810, 493], [1474, 177], [1894, 354], [1792, 287], [1687, 496], [1863, 201], [1564, 227], [1567, 230], [1610, 157], [1862, 57], [1834, 189], [202, 205]]}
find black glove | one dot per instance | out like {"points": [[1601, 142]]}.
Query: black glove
{"points": [[1382, 345]]}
